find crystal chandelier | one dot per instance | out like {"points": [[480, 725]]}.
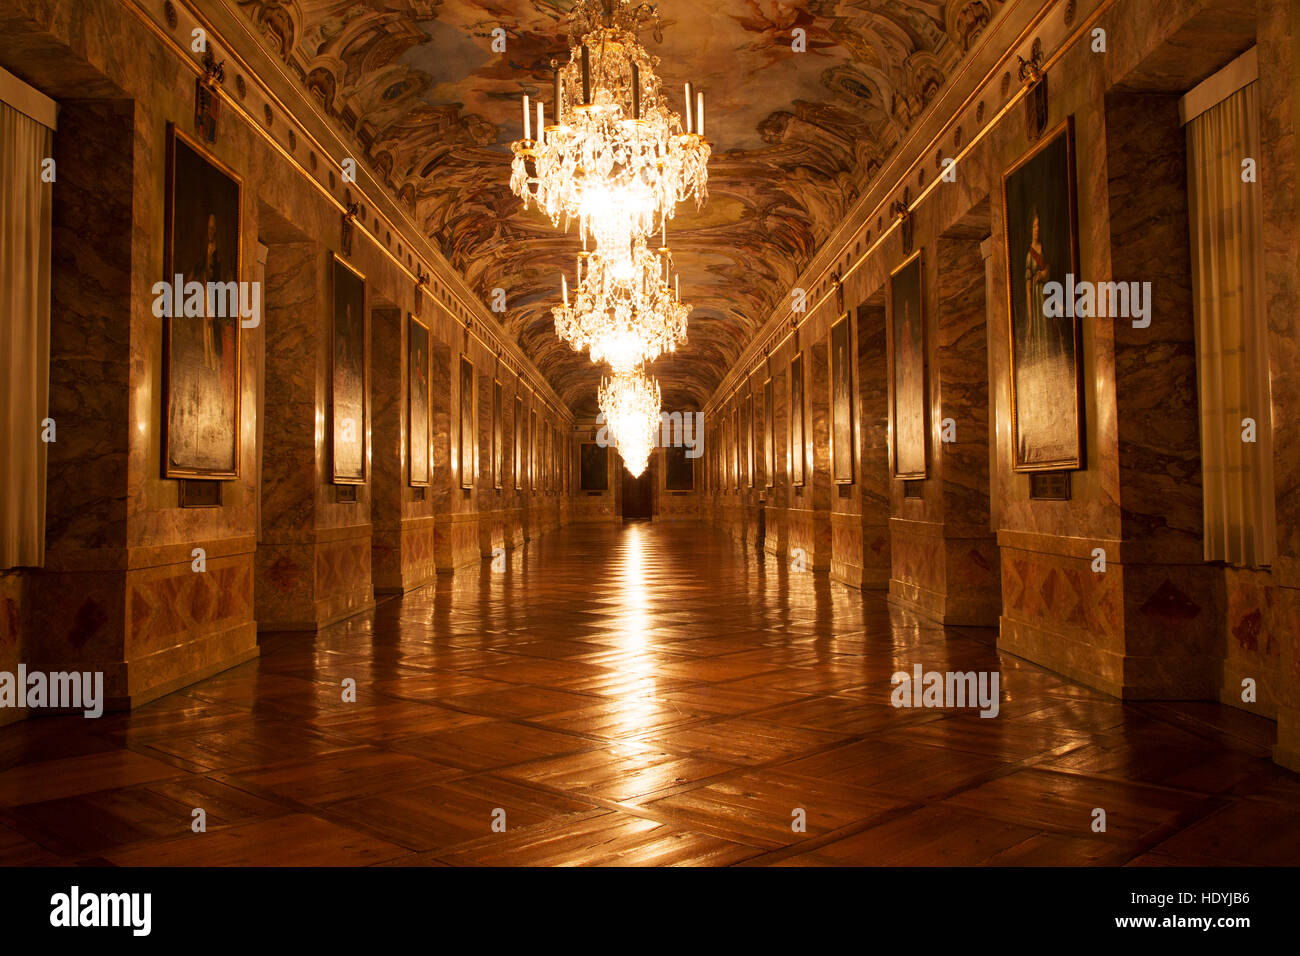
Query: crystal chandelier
{"points": [[617, 158], [626, 313], [630, 403]]}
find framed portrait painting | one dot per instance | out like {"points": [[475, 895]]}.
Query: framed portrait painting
{"points": [[418, 402], [796, 420], [747, 428], [728, 455], [467, 450], [534, 477], [518, 449], [593, 475], [679, 470], [738, 442], [348, 375], [1041, 240], [544, 456], [769, 436], [550, 457], [498, 435], [201, 348], [841, 402], [908, 369]]}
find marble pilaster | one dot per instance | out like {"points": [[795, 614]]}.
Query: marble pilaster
{"points": [[1173, 613], [314, 559]]}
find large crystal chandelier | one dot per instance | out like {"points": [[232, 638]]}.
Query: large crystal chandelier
{"points": [[617, 158], [630, 403], [625, 312]]}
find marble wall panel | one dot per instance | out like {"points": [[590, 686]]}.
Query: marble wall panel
{"points": [[1155, 367], [1256, 618], [817, 433], [961, 370], [1058, 612], [872, 476], [90, 331], [77, 620], [847, 549], [917, 578], [1173, 619], [181, 623], [1279, 119], [342, 579], [390, 479]]}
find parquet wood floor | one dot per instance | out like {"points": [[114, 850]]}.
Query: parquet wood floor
{"points": [[637, 695]]}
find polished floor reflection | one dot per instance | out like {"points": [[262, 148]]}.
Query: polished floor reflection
{"points": [[645, 694]]}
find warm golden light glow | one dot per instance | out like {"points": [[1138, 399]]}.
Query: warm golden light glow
{"points": [[629, 404], [624, 313], [617, 159]]}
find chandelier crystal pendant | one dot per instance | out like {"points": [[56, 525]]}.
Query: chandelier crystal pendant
{"points": [[626, 313], [616, 159], [630, 403]]}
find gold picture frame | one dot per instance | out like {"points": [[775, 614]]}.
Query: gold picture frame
{"points": [[498, 435], [798, 454], [194, 180], [769, 435], [1042, 185], [348, 394], [419, 403], [468, 427], [910, 435], [842, 394]]}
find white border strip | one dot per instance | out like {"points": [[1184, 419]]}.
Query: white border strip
{"points": [[1209, 93], [28, 100]]}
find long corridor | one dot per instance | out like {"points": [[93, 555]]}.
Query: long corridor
{"points": [[643, 694]]}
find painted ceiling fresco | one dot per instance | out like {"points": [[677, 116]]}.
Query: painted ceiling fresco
{"points": [[795, 136]]}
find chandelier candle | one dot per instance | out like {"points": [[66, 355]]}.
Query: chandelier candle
{"points": [[528, 132], [636, 91], [699, 114], [689, 127]]}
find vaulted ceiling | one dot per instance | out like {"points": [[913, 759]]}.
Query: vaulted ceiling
{"points": [[795, 136]]}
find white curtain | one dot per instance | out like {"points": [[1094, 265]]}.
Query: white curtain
{"points": [[25, 220], [1231, 331]]}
